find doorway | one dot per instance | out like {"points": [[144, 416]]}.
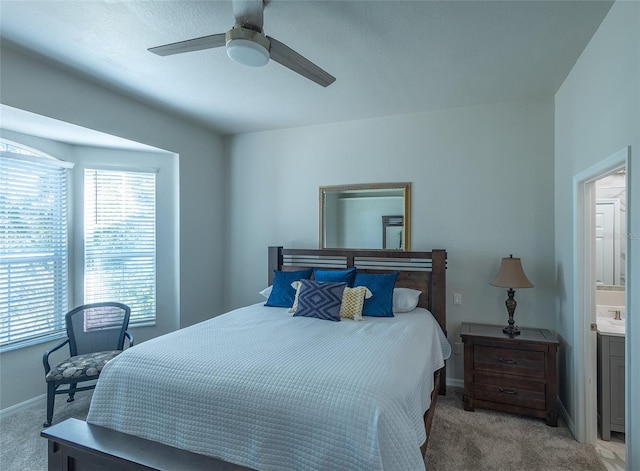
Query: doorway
{"points": [[585, 289], [610, 277]]}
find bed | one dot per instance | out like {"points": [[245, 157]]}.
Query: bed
{"points": [[258, 388]]}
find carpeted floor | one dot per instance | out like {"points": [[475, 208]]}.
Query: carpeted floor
{"points": [[461, 441], [496, 441], [21, 447]]}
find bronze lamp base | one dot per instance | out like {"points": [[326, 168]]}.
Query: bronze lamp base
{"points": [[511, 304]]}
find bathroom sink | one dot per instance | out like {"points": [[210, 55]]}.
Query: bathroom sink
{"points": [[608, 311], [611, 326]]}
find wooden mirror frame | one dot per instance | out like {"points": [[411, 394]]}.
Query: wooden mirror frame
{"points": [[406, 191]]}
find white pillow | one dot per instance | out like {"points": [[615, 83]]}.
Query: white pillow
{"points": [[405, 299], [295, 285], [266, 292]]}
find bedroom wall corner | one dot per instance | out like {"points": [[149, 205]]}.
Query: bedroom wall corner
{"points": [[226, 222]]}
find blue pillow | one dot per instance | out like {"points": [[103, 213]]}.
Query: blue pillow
{"points": [[381, 285], [320, 300], [283, 294], [338, 276]]}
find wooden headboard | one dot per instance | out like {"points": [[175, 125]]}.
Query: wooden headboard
{"points": [[425, 271]]}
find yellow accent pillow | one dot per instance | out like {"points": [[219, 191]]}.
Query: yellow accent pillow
{"points": [[353, 301]]}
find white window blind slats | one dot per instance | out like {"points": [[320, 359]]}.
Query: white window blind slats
{"points": [[33, 249], [23, 154], [120, 240], [28, 293]]}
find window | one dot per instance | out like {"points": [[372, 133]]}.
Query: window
{"points": [[33, 246], [118, 216], [120, 240]]}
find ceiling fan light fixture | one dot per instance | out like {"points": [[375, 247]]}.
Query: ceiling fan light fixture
{"points": [[247, 44], [247, 52]]}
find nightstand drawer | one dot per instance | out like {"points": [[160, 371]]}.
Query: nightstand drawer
{"points": [[510, 361], [509, 391]]}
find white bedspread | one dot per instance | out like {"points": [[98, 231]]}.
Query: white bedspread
{"points": [[260, 388]]}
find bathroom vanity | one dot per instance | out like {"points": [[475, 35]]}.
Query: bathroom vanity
{"points": [[610, 379]]}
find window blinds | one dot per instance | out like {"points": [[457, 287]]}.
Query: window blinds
{"points": [[33, 248], [120, 240]]}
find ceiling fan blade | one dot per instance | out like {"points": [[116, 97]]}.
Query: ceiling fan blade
{"points": [[197, 44], [249, 13], [289, 58]]}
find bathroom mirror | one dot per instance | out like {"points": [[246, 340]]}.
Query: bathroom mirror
{"points": [[610, 229], [366, 216]]}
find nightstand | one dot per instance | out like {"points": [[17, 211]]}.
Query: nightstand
{"points": [[511, 374]]}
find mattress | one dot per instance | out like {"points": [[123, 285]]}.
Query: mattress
{"points": [[260, 388]]}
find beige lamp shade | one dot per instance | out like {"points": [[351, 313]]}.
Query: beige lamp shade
{"points": [[511, 274]]}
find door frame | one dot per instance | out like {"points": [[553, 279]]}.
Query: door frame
{"points": [[584, 292]]}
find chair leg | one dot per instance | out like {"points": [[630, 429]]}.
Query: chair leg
{"points": [[72, 391], [51, 396]]}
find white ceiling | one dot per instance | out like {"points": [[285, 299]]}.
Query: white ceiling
{"points": [[33, 124], [389, 57]]}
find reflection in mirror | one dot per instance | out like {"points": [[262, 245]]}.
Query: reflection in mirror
{"points": [[369, 216], [392, 230], [610, 225]]}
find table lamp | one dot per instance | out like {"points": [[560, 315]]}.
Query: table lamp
{"points": [[511, 276]]}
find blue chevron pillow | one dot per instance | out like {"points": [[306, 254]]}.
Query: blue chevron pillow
{"points": [[320, 300]]}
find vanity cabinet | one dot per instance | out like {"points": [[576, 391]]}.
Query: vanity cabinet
{"points": [[610, 384]]}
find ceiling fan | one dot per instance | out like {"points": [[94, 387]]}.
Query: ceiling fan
{"points": [[247, 44]]}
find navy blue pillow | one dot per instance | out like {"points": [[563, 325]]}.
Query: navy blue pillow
{"points": [[320, 300], [282, 294], [339, 276], [381, 285]]}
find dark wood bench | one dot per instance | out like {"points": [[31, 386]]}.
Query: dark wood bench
{"points": [[79, 446]]}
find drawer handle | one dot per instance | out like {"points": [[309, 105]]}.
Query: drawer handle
{"points": [[508, 391], [507, 361]]}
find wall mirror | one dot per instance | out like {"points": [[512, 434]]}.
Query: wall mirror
{"points": [[365, 216]]}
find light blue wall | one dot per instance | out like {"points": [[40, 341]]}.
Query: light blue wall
{"points": [[597, 113]]}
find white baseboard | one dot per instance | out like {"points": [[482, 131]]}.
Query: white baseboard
{"points": [[12, 410], [456, 383], [565, 415]]}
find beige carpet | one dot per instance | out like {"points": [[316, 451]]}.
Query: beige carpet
{"points": [[21, 447], [461, 441], [496, 441]]}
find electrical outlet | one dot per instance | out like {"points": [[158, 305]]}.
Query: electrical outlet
{"points": [[457, 348], [457, 298]]}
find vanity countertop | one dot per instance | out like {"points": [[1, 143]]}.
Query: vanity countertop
{"points": [[610, 326]]}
